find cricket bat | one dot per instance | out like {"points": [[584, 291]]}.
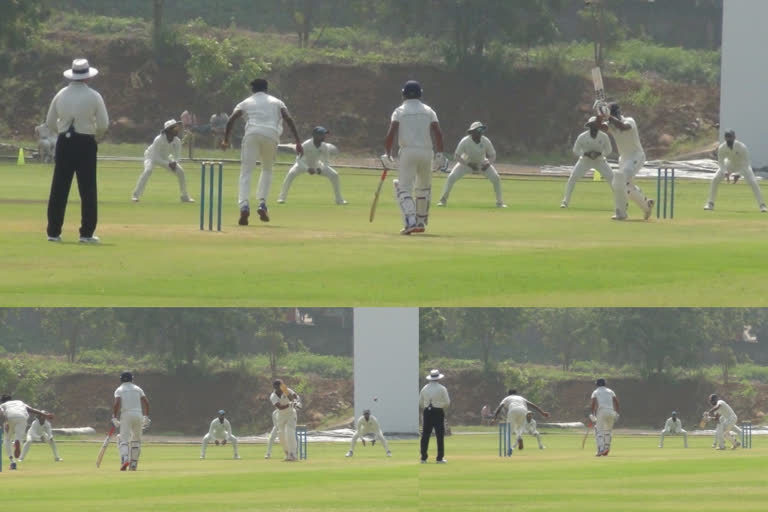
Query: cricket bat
{"points": [[586, 435], [104, 445], [284, 389], [383, 159], [600, 105]]}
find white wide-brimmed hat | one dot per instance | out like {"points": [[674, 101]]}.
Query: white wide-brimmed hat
{"points": [[477, 125], [435, 375], [81, 70], [170, 124]]}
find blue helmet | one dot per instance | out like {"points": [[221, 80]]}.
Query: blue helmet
{"points": [[412, 89]]}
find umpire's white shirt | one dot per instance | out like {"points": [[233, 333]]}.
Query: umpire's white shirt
{"points": [[470, 152], [434, 393], [604, 398], [415, 119], [586, 144], [161, 151], [130, 398], [628, 141], [79, 103], [219, 430], [263, 115], [738, 157]]}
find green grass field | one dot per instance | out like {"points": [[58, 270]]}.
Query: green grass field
{"points": [[636, 476], [315, 253]]}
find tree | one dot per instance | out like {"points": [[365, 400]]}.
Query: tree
{"points": [[431, 329], [157, 27], [73, 329], [486, 329], [564, 331], [20, 20], [603, 27]]}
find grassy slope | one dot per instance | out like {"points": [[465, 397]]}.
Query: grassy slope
{"points": [[315, 253]]}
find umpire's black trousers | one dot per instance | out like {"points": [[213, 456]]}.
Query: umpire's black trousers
{"points": [[75, 154], [434, 418]]}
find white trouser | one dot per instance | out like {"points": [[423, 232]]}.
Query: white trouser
{"points": [[679, 431], [723, 431], [256, 148], [580, 169], [225, 437], [46, 148], [45, 439], [149, 165], [273, 433], [623, 186], [377, 433], [414, 185], [17, 430], [326, 170], [535, 434], [516, 420], [459, 170], [129, 441], [603, 428], [746, 173], [286, 429]]}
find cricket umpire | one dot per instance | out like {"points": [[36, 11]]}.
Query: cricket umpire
{"points": [[434, 399], [77, 113]]}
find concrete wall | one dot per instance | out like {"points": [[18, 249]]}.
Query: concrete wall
{"points": [[743, 99], [387, 366]]}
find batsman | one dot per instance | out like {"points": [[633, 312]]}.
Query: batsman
{"points": [[130, 414]]}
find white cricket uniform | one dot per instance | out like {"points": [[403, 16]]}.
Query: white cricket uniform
{"points": [[517, 410], [46, 143], [16, 416], [160, 154], [131, 419], [530, 429], [606, 416], [673, 427], [263, 127], [584, 144], [219, 431], [631, 160], [735, 160], [316, 158], [470, 152], [368, 427], [38, 432], [286, 423], [727, 420], [415, 174], [272, 434]]}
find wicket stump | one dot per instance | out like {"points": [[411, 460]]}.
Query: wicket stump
{"points": [[505, 440], [668, 199], [210, 167], [746, 434], [301, 441]]}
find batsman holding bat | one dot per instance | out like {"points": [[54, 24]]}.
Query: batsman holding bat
{"points": [[130, 414], [286, 401]]}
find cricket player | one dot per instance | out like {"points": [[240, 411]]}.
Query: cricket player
{"points": [[286, 401], [475, 153], [130, 413], [517, 412], [733, 157], [272, 435], [631, 160], [264, 115], [15, 414], [40, 430], [165, 152], [605, 409], [673, 425], [368, 424], [315, 160], [727, 419], [530, 429], [221, 432], [46, 143], [592, 147], [416, 127]]}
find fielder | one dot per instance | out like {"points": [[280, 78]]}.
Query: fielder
{"points": [[673, 425], [40, 430], [416, 126], [368, 424], [165, 151], [475, 153], [130, 413], [15, 414], [605, 411], [517, 412], [315, 160], [733, 157], [286, 401], [530, 429], [46, 143], [592, 147], [264, 115], [631, 160], [727, 419], [221, 432], [272, 435]]}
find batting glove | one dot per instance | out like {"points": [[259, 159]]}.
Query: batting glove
{"points": [[145, 422], [115, 422]]}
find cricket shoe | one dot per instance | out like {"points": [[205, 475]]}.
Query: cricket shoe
{"points": [[16, 449], [709, 206], [58, 459], [422, 461], [542, 447], [280, 200], [349, 453], [244, 214], [135, 199], [124, 465], [342, 202], [268, 455], [649, 211], [736, 178], [262, 211], [54, 238], [442, 461], [501, 205], [90, 239], [563, 205], [389, 453], [605, 452], [236, 457], [408, 230], [619, 216], [420, 228], [763, 208], [13, 465], [187, 199], [519, 443], [373, 443], [442, 202]]}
